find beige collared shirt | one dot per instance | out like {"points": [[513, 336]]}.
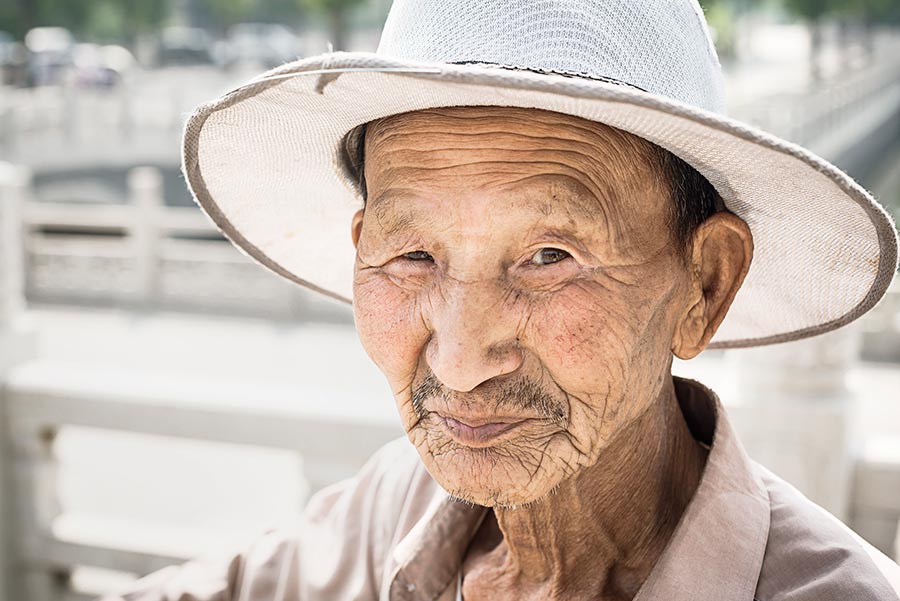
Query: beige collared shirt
{"points": [[392, 534]]}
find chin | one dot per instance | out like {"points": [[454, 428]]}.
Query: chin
{"points": [[491, 477], [494, 498]]}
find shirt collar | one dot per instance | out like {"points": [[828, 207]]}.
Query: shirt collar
{"points": [[718, 546], [715, 553], [430, 556]]}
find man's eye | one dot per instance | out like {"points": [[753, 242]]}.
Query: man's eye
{"points": [[418, 255], [548, 256]]}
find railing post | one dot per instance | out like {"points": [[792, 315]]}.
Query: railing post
{"points": [[17, 343], [145, 198], [14, 182], [34, 476], [7, 128]]}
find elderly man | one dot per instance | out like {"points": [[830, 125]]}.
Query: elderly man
{"points": [[545, 207]]}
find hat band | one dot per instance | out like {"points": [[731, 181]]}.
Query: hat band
{"points": [[545, 71]]}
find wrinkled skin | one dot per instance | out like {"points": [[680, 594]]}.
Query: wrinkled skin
{"points": [[516, 265]]}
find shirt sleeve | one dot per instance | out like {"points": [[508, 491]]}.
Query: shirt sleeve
{"points": [[335, 550]]}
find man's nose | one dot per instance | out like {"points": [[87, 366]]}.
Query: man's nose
{"points": [[474, 337]]}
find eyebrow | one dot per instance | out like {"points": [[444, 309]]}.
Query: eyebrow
{"points": [[400, 221]]}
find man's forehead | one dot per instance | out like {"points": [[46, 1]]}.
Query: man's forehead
{"points": [[540, 125], [553, 164]]}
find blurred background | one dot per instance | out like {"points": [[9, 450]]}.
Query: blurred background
{"points": [[163, 397]]}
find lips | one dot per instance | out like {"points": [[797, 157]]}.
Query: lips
{"points": [[479, 432]]}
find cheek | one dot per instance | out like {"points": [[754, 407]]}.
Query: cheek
{"points": [[606, 346], [585, 334], [390, 326]]}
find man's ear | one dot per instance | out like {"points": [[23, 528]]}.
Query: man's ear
{"points": [[720, 258], [356, 226]]}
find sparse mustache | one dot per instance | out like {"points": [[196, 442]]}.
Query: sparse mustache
{"points": [[519, 393]]}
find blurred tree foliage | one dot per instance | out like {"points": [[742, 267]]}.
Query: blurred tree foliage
{"points": [[123, 20], [863, 14], [119, 20], [871, 10], [336, 12], [220, 14], [812, 11], [850, 15], [720, 16], [874, 10]]}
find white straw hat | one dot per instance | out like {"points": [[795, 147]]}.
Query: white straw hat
{"points": [[272, 161]]}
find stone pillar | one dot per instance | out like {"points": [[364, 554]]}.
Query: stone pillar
{"points": [[146, 199], [796, 416], [17, 341], [14, 186]]}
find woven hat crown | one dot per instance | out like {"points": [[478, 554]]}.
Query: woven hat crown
{"points": [[659, 46]]}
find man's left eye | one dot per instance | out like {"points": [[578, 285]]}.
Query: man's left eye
{"points": [[548, 256], [418, 255]]}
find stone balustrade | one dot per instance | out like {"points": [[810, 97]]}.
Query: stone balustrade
{"points": [[145, 255]]}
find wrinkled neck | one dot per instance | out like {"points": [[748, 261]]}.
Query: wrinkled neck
{"points": [[601, 531]]}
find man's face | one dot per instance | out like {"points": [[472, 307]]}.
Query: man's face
{"points": [[517, 283]]}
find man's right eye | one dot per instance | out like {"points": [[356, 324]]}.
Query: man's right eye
{"points": [[418, 255]]}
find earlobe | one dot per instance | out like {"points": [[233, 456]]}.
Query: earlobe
{"points": [[720, 259], [356, 227], [690, 329]]}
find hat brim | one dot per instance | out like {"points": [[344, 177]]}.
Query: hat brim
{"points": [[265, 162]]}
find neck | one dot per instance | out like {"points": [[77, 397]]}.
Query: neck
{"points": [[600, 533]]}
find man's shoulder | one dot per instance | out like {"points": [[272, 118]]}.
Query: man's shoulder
{"points": [[390, 474], [811, 555], [399, 469], [393, 489], [395, 465]]}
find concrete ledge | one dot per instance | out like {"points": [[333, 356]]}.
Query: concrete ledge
{"points": [[875, 506]]}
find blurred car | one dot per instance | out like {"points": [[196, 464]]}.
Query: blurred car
{"points": [[49, 54], [184, 46], [100, 66], [13, 59], [258, 44]]}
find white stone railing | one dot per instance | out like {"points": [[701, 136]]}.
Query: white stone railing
{"points": [[16, 341], [817, 119], [37, 400], [875, 503], [136, 122], [143, 254], [40, 399], [881, 329]]}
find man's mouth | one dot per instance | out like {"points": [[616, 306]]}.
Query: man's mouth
{"points": [[478, 433]]}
